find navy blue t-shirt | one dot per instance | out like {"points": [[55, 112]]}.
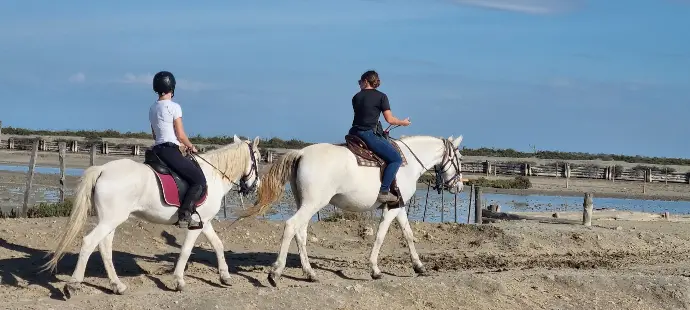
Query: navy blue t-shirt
{"points": [[368, 104]]}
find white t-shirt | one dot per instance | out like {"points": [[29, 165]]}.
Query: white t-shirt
{"points": [[161, 115]]}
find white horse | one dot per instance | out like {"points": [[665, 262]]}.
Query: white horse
{"points": [[324, 173], [123, 187]]}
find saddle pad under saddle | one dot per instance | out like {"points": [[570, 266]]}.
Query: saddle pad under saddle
{"points": [[366, 157]]}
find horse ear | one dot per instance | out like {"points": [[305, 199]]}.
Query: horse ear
{"points": [[450, 138], [457, 141], [235, 139], [256, 141]]}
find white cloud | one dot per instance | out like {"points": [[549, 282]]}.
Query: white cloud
{"points": [[182, 84], [524, 6], [78, 77]]}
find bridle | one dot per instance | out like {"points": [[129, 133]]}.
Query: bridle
{"points": [[243, 188], [441, 168], [449, 156]]}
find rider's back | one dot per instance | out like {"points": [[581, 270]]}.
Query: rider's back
{"points": [[161, 115], [368, 105]]}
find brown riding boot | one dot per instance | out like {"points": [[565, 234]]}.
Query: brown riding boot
{"points": [[387, 197]]}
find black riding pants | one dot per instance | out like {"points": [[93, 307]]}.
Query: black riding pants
{"points": [[185, 168]]}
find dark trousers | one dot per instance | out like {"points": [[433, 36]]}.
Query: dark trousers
{"points": [[383, 148], [185, 168]]}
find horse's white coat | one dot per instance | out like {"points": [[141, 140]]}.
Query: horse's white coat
{"points": [[328, 173], [124, 187]]}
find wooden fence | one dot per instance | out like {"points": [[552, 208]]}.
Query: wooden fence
{"points": [[97, 147], [646, 173]]}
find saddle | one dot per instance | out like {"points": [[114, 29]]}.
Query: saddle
{"points": [[367, 158], [173, 188]]}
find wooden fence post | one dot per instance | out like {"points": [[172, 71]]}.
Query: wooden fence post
{"points": [[426, 201], [587, 212], [469, 206], [456, 208], [93, 155], [62, 150], [30, 179], [443, 204], [478, 205], [567, 175], [10, 143]]}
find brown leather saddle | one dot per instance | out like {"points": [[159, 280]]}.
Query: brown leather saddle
{"points": [[367, 158]]}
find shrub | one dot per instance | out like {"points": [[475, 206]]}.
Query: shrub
{"points": [[43, 209], [519, 182]]}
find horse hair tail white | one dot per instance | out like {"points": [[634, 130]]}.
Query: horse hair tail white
{"points": [[78, 216], [273, 183]]}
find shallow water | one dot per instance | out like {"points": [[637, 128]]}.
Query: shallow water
{"points": [[523, 203], [528, 203], [43, 170]]}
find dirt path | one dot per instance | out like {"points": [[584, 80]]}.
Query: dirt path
{"points": [[515, 265]]}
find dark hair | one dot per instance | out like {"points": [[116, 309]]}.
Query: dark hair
{"points": [[372, 78]]}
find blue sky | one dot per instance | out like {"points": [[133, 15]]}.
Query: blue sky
{"points": [[572, 75]]}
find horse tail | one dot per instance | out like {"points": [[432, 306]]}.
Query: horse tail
{"points": [[273, 183], [78, 216]]}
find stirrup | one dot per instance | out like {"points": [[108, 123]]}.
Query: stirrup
{"points": [[200, 225]]}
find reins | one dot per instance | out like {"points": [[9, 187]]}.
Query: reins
{"points": [[446, 155], [242, 187]]}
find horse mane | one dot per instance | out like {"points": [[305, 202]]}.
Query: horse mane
{"points": [[231, 159]]}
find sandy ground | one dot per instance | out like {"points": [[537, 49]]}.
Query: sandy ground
{"points": [[615, 264]]}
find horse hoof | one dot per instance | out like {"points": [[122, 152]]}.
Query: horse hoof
{"points": [[226, 280], [420, 270], [71, 289], [118, 288], [312, 278], [272, 279], [376, 276], [180, 286]]}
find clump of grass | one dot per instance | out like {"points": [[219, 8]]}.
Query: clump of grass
{"points": [[519, 182], [43, 209]]}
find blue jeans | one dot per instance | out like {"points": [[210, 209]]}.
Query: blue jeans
{"points": [[383, 148]]}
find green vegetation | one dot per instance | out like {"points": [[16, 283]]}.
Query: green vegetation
{"points": [[519, 182], [44, 210], [94, 135]]}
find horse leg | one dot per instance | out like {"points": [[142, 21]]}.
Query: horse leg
{"points": [[89, 244], [106, 249], [386, 220], [217, 244], [185, 251], [301, 218], [409, 237], [301, 238]]}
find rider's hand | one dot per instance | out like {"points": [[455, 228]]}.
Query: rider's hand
{"points": [[194, 150], [405, 122]]}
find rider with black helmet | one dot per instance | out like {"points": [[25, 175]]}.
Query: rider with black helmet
{"points": [[166, 125]]}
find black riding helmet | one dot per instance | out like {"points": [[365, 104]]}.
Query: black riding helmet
{"points": [[164, 82]]}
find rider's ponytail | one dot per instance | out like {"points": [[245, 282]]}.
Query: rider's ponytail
{"points": [[372, 78]]}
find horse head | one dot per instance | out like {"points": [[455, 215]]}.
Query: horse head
{"points": [[449, 169], [249, 182]]}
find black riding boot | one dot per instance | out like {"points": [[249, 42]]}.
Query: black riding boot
{"points": [[187, 208]]}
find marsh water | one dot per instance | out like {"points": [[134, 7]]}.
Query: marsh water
{"points": [[416, 210]]}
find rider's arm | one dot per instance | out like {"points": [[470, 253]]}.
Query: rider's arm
{"points": [[179, 132], [388, 115], [179, 129]]}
